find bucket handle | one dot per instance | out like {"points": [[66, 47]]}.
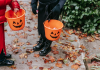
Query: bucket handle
{"points": [[23, 7], [15, 14], [48, 16]]}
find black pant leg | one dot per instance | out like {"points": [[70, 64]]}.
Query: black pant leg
{"points": [[42, 17], [2, 56]]}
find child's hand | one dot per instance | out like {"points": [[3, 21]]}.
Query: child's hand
{"points": [[16, 10], [37, 11]]}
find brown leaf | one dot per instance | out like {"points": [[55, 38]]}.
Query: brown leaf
{"points": [[52, 59], [29, 30], [23, 55], [29, 63], [54, 48], [46, 61], [55, 52], [58, 65], [35, 67], [41, 68], [60, 59], [34, 45], [13, 67], [30, 18], [18, 34], [45, 68], [75, 67], [29, 50], [21, 36], [34, 28], [16, 51], [15, 40], [20, 43], [30, 67], [83, 47], [51, 67], [28, 43], [36, 55], [67, 64], [25, 29], [5, 30]]}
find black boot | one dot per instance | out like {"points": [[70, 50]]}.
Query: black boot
{"points": [[46, 49], [3, 61], [6, 62], [39, 45], [7, 56]]}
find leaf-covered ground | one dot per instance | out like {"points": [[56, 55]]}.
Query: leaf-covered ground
{"points": [[67, 52]]}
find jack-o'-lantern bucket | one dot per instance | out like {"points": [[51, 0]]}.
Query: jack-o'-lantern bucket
{"points": [[16, 20], [53, 29]]}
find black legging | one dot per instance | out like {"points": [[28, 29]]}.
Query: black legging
{"points": [[2, 56]]}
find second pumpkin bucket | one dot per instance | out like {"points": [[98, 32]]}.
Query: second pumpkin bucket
{"points": [[53, 29]]}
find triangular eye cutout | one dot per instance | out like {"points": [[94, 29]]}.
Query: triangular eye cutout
{"points": [[51, 32], [14, 22], [20, 20], [58, 32]]}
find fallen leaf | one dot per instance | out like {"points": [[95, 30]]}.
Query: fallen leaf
{"points": [[16, 51], [29, 50], [67, 64], [83, 47], [75, 67], [54, 48], [46, 61], [52, 59], [13, 67], [29, 30], [20, 43], [35, 67], [45, 68], [34, 45], [30, 67], [36, 55], [55, 52], [29, 63], [23, 55], [28, 43], [58, 65], [41, 68], [51, 67], [25, 29], [60, 59]]}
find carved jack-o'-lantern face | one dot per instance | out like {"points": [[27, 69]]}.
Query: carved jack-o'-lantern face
{"points": [[17, 24], [54, 35]]}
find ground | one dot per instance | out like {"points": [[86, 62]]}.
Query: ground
{"points": [[26, 39]]}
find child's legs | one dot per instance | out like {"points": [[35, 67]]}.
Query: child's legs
{"points": [[2, 41]]}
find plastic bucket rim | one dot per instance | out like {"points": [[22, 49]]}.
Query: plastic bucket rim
{"points": [[51, 28], [16, 17]]}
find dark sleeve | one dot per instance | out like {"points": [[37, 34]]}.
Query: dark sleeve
{"points": [[34, 1], [34, 5], [61, 3]]}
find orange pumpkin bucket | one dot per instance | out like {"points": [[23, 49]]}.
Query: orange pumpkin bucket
{"points": [[16, 21], [53, 29]]}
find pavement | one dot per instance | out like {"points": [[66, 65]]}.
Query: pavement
{"points": [[28, 37]]}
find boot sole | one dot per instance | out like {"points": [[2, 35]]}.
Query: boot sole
{"points": [[6, 65], [7, 57]]}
